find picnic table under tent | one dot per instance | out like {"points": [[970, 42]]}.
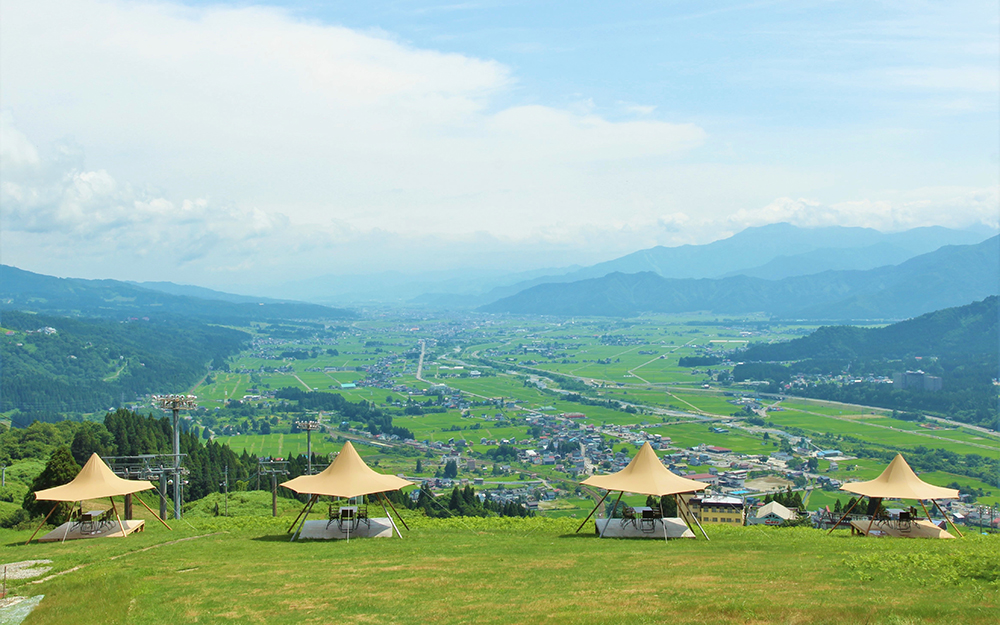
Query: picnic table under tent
{"points": [[646, 475], [348, 477], [94, 481], [898, 481]]}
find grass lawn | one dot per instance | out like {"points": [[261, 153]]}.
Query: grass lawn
{"points": [[509, 571]]}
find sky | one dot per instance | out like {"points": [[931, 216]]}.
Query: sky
{"points": [[242, 144]]}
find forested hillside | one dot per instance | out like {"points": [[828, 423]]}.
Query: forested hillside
{"points": [[24, 290], [57, 364], [959, 345]]}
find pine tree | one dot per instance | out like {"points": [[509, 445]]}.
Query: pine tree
{"points": [[60, 469]]}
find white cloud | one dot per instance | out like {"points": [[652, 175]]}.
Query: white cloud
{"points": [[954, 207], [154, 138]]}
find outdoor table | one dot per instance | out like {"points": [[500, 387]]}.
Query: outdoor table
{"points": [[348, 514], [88, 520]]}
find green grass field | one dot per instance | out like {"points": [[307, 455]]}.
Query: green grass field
{"points": [[244, 570]]}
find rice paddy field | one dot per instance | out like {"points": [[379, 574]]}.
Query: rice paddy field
{"points": [[635, 362], [244, 570]]}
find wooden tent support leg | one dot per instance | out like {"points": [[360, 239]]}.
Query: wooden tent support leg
{"points": [[697, 522], [153, 513], [68, 523], [856, 502], [872, 520], [43, 522], [683, 516], [115, 510], [382, 499], [592, 512], [304, 517], [926, 513], [612, 514], [947, 518], [401, 520], [308, 503]]}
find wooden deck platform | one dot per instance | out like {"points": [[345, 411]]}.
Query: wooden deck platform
{"points": [[915, 529], [72, 531], [378, 527], [675, 529]]}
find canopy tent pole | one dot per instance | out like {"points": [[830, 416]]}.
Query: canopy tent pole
{"points": [[304, 516], [925, 511], [382, 499], [878, 505], [947, 518], [401, 519], [613, 509], [685, 519], [606, 493], [835, 525], [697, 522], [153, 513], [115, 510], [66, 533], [308, 503], [43, 521]]}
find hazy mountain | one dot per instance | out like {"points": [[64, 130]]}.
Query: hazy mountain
{"points": [[951, 276], [24, 290], [460, 289], [203, 293], [772, 252]]}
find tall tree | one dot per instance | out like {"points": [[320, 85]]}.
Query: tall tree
{"points": [[60, 469]]}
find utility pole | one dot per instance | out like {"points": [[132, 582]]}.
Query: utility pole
{"points": [[309, 426], [176, 403], [226, 484], [273, 467]]}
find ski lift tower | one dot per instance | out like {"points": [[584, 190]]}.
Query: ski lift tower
{"points": [[176, 403], [309, 427]]}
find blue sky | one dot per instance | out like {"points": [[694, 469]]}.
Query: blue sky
{"points": [[215, 142]]}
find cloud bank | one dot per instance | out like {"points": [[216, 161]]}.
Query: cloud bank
{"points": [[150, 140]]}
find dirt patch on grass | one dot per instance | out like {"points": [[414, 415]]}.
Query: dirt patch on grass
{"points": [[25, 569], [767, 483]]}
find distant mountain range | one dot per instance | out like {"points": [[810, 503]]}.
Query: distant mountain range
{"points": [[951, 276], [27, 291], [771, 252]]}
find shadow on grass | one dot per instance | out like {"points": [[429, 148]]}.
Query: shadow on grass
{"points": [[274, 538]]}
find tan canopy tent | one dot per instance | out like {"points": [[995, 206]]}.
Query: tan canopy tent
{"points": [[94, 481], [645, 475], [898, 481], [347, 476]]}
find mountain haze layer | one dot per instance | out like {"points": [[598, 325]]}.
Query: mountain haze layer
{"points": [[951, 276]]}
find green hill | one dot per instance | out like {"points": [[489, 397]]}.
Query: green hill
{"points": [[959, 345], [24, 290], [450, 571], [59, 364]]}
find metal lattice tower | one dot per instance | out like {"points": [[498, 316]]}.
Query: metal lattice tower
{"points": [[176, 403], [273, 467], [309, 427]]}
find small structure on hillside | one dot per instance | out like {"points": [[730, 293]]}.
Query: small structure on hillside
{"points": [[898, 481], [94, 481], [646, 475], [772, 513], [347, 477]]}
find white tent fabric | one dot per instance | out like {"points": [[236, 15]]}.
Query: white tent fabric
{"points": [[94, 481], [646, 475], [898, 481], [347, 476]]}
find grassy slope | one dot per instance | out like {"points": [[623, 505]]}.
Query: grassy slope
{"points": [[455, 571]]}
